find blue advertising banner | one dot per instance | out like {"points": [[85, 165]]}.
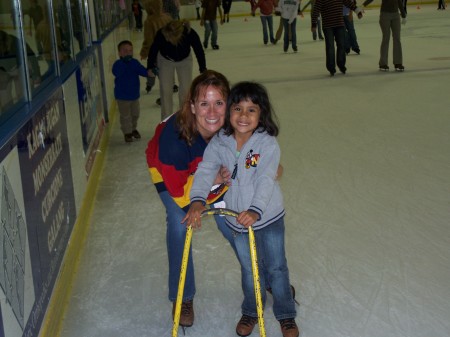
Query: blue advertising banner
{"points": [[44, 159]]}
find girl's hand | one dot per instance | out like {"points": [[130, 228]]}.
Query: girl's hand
{"points": [[193, 216], [247, 218]]}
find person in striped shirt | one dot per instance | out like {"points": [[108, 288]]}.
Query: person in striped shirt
{"points": [[334, 30]]}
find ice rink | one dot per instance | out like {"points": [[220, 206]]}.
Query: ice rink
{"points": [[366, 187]]}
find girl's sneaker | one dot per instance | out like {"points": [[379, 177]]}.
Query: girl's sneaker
{"points": [[384, 68], [399, 67]]}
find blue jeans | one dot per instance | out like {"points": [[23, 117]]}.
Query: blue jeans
{"points": [[267, 22], [290, 28], [272, 259], [211, 28], [175, 238], [331, 35]]}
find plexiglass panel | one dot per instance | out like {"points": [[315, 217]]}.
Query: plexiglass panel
{"points": [[38, 26], [12, 79], [109, 13], [79, 33]]}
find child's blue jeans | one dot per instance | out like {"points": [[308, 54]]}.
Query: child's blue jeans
{"points": [[271, 259]]}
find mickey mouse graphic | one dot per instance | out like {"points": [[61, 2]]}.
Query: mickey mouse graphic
{"points": [[251, 159]]}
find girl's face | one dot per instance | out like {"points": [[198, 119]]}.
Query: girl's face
{"points": [[244, 118], [209, 110]]}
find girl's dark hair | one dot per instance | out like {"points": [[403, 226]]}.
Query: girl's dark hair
{"points": [[256, 93]]}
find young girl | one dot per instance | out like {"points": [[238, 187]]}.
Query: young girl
{"points": [[247, 147]]}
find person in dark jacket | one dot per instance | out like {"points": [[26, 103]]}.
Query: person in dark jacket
{"points": [[170, 53]]}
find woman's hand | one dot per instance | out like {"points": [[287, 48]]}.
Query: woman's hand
{"points": [[193, 216], [223, 177], [279, 172]]}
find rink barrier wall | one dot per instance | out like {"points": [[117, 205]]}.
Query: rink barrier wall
{"points": [[60, 299]]}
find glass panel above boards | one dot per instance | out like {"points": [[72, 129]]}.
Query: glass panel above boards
{"points": [[13, 85]]}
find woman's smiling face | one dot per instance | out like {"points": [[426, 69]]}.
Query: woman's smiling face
{"points": [[209, 110]]}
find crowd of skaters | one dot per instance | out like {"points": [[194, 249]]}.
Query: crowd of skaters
{"points": [[168, 39]]}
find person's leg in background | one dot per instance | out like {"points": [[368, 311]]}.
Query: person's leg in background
{"points": [[214, 34], [135, 113], [339, 36], [124, 108], [329, 51], [293, 30], [166, 83], [396, 42], [385, 26], [270, 26], [184, 75], [263, 19], [207, 33], [286, 29], [279, 30]]}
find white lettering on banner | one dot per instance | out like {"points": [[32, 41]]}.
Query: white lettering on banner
{"points": [[52, 117], [47, 163], [43, 127], [51, 195], [33, 138], [55, 227]]}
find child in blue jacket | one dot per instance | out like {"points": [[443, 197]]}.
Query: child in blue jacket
{"points": [[127, 89]]}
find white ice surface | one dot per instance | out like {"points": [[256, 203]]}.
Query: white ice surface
{"points": [[366, 187]]}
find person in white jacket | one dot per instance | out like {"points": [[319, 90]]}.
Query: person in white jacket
{"points": [[289, 10]]}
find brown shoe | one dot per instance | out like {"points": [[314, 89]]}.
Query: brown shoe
{"points": [[245, 325], [187, 313], [289, 328]]}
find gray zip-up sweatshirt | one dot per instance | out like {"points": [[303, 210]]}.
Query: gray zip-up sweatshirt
{"points": [[254, 186]]}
